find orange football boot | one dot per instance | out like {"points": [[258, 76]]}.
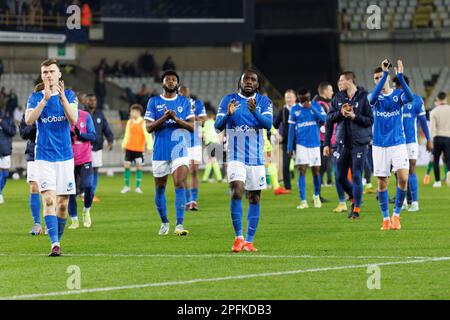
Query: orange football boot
{"points": [[386, 225], [238, 244], [395, 225], [248, 246]]}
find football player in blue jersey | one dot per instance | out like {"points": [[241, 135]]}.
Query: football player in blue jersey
{"points": [[170, 117], [244, 115], [54, 109], [389, 143], [412, 113], [305, 120], [195, 148]]}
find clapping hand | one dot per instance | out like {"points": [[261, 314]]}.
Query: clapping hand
{"points": [[399, 68], [61, 90], [251, 105], [231, 108], [47, 90]]}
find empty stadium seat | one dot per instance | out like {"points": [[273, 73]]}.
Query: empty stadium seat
{"points": [[208, 85]]}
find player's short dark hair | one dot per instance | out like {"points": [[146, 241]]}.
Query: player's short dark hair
{"points": [[49, 62], [378, 70], [137, 106], [91, 95], [397, 82], [442, 95], [323, 86], [170, 73], [349, 75]]}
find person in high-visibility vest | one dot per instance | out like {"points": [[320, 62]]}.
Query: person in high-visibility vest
{"points": [[136, 137]]}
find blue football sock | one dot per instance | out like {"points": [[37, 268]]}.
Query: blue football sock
{"points": [[194, 194], [383, 199], [180, 204], [252, 220], [35, 207], [52, 226], [236, 216], [73, 206], [61, 225], [160, 201], [188, 195], [3, 177], [302, 187], [357, 187], [399, 199], [317, 182], [88, 194], [414, 186], [94, 182]]}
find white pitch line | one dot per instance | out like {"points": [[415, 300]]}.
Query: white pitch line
{"points": [[205, 280], [206, 255]]}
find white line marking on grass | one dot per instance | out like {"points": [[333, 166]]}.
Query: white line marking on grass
{"points": [[205, 280], [206, 255]]}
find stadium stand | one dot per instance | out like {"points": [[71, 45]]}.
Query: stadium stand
{"points": [[208, 85], [21, 83], [402, 15]]}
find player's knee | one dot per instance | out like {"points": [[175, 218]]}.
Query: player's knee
{"points": [[253, 198], [49, 201], [382, 185], [61, 206], [34, 188], [403, 183], [237, 193]]}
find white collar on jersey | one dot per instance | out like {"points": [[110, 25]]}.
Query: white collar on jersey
{"points": [[169, 99], [252, 97], [53, 93], [388, 94]]}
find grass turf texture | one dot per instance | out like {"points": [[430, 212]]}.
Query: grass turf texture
{"points": [[123, 249]]}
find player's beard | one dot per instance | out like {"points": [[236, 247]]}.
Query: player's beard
{"points": [[248, 93], [169, 90]]}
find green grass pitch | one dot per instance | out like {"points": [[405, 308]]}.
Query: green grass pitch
{"points": [[309, 254]]}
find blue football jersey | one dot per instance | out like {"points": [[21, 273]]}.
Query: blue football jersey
{"points": [[307, 124], [53, 141], [411, 112], [388, 119], [171, 141], [244, 133], [198, 108]]}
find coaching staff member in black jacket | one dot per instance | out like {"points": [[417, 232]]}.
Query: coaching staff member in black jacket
{"points": [[351, 112]]}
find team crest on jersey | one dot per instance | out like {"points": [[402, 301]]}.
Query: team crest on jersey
{"points": [[297, 113], [99, 120], [357, 105], [82, 125], [395, 98], [409, 106], [43, 185], [262, 181], [180, 109]]}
